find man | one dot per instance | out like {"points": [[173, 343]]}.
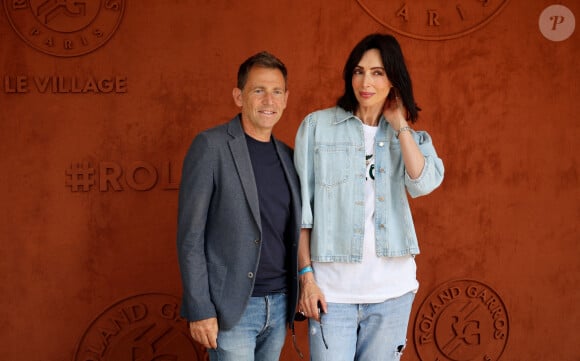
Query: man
{"points": [[238, 224]]}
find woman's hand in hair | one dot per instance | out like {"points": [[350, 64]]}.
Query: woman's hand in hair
{"points": [[394, 110]]}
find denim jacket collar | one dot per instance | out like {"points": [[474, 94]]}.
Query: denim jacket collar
{"points": [[342, 115]]}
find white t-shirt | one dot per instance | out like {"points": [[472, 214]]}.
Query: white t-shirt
{"points": [[375, 279]]}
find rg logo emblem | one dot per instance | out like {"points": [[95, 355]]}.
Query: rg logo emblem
{"points": [[461, 320], [433, 19], [65, 27], [144, 327]]}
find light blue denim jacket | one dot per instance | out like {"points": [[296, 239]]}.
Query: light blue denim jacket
{"points": [[330, 160]]}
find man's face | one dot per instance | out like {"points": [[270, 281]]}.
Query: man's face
{"points": [[262, 100]]}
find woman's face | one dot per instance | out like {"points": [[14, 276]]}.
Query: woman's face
{"points": [[369, 80]]}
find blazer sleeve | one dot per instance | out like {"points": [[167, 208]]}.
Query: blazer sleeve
{"points": [[195, 194]]}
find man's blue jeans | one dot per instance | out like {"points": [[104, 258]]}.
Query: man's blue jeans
{"points": [[362, 332], [258, 336]]}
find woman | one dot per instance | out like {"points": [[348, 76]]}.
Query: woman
{"points": [[356, 161]]}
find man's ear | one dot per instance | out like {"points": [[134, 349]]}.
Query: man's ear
{"points": [[237, 94]]}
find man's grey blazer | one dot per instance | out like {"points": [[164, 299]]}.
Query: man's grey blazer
{"points": [[219, 228]]}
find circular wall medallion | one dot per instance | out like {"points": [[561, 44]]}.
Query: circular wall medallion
{"points": [[142, 327], [65, 27], [557, 23], [433, 19], [461, 320]]}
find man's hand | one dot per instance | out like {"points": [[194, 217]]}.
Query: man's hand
{"points": [[205, 332]]}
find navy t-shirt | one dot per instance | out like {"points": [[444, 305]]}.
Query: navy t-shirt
{"points": [[274, 198]]}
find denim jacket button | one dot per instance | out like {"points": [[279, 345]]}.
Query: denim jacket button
{"points": [[250, 274]]}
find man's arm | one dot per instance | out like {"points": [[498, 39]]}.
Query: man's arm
{"points": [[194, 198]]}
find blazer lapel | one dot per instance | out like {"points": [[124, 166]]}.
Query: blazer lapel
{"points": [[241, 156]]}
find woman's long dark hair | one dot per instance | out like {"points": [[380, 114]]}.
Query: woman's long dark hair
{"points": [[394, 63]]}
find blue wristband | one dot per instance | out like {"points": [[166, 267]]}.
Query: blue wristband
{"points": [[305, 270]]}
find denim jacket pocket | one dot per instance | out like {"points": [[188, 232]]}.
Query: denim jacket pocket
{"points": [[332, 164]]}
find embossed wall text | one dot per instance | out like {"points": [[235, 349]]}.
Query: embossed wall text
{"points": [[22, 84], [112, 176], [433, 19]]}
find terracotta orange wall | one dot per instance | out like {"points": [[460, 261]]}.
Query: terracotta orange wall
{"points": [[91, 269]]}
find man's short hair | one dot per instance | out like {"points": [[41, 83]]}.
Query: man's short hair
{"points": [[263, 60]]}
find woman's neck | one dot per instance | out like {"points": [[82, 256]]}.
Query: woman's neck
{"points": [[369, 116]]}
